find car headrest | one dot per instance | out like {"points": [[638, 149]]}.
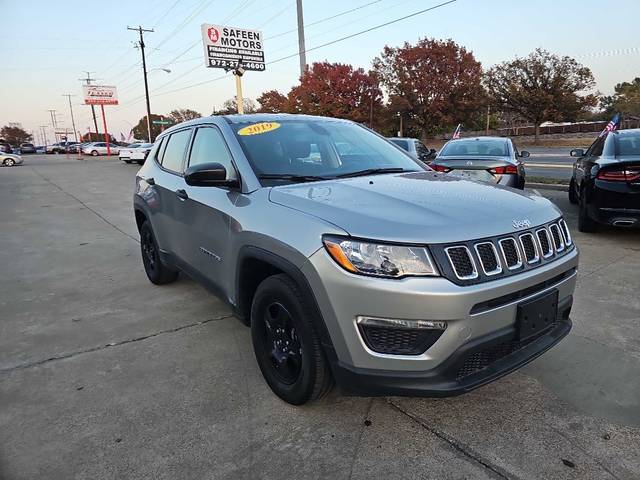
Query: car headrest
{"points": [[298, 149]]}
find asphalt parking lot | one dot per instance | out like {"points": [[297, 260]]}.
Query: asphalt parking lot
{"points": [[104, 375]]}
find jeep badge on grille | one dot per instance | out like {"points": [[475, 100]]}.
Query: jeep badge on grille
{"points": [[520, 224]]}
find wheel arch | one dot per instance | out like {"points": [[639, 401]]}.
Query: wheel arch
{"points": [[255, 265]]}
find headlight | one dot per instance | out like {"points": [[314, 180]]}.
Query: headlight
{"points": [[379, 259]]}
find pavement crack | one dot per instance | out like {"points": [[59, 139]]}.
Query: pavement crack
{"points": [[95, 212], [474, 457], [357, 447], [64, 356]]}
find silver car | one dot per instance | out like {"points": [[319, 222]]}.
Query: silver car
{"points": [[352, 262], [488, 159], [100, 148], [10, 159], [415, 148]]}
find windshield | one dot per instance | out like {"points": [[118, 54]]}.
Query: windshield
{"points": [[317, 148], [490, 147]]}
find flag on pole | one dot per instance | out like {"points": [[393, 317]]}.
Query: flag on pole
{"points": [[612, 126], [456, 133]]}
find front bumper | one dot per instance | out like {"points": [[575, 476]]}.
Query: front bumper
{"points": [[475, 322]]}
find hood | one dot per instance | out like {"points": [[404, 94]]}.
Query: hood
{"points": [[421, 207]]}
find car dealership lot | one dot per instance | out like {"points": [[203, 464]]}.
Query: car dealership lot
{"points": [[103, 375]]}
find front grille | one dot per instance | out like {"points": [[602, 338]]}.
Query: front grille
{"points": [[462, 262], [399, 341], [565, 232], [545, 242], [510, 253], [557, 238], [529, 248], [484, 358], [488, 258]]}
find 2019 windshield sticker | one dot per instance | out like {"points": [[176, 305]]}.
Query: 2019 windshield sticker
{"points": [[259, 128]]}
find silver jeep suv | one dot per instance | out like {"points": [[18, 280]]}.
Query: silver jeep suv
{"points": [[352, 262]]}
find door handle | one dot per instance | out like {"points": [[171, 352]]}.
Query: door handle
{"points": [[182, 194]]}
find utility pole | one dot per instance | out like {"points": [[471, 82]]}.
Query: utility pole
{"points": [[141, 31], [73, 122], [301, 47], [488, 117], [54, 123], [93, 109], [44, 135]]}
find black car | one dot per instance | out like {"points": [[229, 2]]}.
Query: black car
{"points": [[606, 181], [27, 148]]}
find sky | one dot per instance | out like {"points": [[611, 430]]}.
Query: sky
{"points": [[46, 47]]}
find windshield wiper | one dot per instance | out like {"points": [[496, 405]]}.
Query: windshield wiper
{"points": [[373, 171], [292, 177]]}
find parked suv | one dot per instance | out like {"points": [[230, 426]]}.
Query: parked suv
{"points": [[352, 262]]}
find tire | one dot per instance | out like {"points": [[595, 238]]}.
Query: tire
{"points": [[285, 343], [94, 153], [127, 161], [157, 272], [9, 162], [573, 196], [585, 223]]}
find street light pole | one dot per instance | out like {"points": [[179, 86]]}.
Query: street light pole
{"points": [[140, 30], [73, 122], [301, 47]]}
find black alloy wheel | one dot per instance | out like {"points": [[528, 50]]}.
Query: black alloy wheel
{"points": [[156, 271]]}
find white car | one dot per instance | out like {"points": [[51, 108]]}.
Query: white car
{"points": [[136, 152], [10, 160], [99, 148]]}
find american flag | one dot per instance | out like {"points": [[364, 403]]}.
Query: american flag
{"points": [[456, 133], [612, 125]]}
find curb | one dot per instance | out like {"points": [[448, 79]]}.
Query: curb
{"points": [[548, 186]]}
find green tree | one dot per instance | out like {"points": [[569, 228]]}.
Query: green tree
{"points": [[140, 130], [626, 99], [433, 84], [180, 115], [14, 135], [230, 107], [542, 87]]}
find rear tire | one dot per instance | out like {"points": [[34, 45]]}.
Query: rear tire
{"points": [[585, 223], [573, 196], [157, 272], [285, 343]]}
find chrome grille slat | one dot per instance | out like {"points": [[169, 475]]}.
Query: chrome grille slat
{"points": [[565, 232], [462, 262], [529, 248], [488, 256], [544, 242], [510, 253], [558, 242]]}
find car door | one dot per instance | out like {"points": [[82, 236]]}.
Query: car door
{"points": [[170, 188], [207, 212], [584, 164]]}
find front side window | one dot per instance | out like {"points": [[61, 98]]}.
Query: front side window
{"points": [[488, 147], [317, 148], [209, 146], [174, 151]]}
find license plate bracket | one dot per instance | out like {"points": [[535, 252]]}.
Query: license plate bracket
{"points": [[536, 315]]}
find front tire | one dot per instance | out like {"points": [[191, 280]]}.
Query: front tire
{"points": [[573, 196], [157, 272], [9, 162], [585, 223], [94, 153], [285, 343]]}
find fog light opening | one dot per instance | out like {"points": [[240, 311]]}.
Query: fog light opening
{"points": [[400, 323]]}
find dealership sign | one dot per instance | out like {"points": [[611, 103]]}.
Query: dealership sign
{"points": [[231, 48], [100, 95]]}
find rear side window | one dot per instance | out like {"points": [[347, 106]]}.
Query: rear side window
{"points": [[174, 151], [209, 146], [403, 144]]}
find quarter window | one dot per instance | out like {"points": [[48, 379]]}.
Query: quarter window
{"points": [[174, 151], [209, 146]]}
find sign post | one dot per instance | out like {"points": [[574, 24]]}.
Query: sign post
{"points": [[235, 49], [101, 95]]}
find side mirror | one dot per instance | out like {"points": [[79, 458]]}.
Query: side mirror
{"points": [[577, 152], [208, 175], [524, 154]]}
